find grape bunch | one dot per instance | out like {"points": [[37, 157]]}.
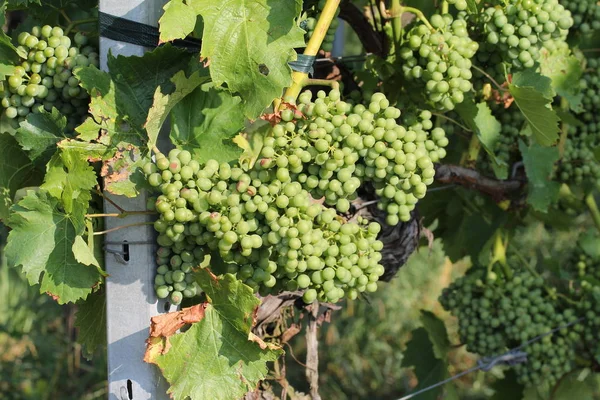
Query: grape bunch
{"points": [[313, 10], [332, 147], [579, 163], [514, 32], [496, 316], [586, 15], [174, 279], [590, 310], [260, 225], [45, 79], [438, 62]]}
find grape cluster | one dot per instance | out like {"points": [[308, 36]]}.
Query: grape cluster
{"points": [[590, 310], [501, 315], [45, 78], [262, 226], [586, 15], [313, 10], [335, 146], [579, 163], [584, 265], [514, 32], [438, 62], [173, 276]]}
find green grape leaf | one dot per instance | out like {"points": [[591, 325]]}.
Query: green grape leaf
{"points": [[121, 98], [590, 244], [8, 52], [70, 178], [84, 254], [507, 387], [122, 171], [205, 121], [6, 69], [576, 385], [251, 142], [437, 334], [539, 163], [164, 103], [41, 242], [531, 95], [531, 78], [40, 132], [429, 369], [90, 320], [249, 49], [91, 151], [22, 3], [177, 22], [16, 171], [564, 69], [217, 357], [480, 120]]}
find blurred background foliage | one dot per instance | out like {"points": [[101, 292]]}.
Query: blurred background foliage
{"points": [[39, 357]]}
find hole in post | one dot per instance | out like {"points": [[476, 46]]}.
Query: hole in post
{"points": [[130, 389], [125, 250], [167, 306]]}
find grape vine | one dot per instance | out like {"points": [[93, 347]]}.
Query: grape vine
{"points": [[468, 123]]}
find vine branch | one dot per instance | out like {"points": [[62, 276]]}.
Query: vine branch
{"points": [[498, 189]]}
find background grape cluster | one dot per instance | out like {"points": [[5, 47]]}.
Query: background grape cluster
{"points": [[496, 316], [579, 163], [514, 33], [45, 80]]}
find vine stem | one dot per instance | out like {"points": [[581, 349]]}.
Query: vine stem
{"points": [[415, 11], [500, 88], [590, 202], [312, 48], [396, 12], [322, 82], [122, 227], [79, 22], [444, 7], [115, 205]]}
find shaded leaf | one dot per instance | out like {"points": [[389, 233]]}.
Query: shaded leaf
{"points": [[40, 132], [508, 387], [428, 368], [437, 334], [90, 319], [564, 69], [539, 163], [16, 171], [590, 243], [41, 242], [480, 120], [121, 98], [205, 122], [533, 101], [164, 103]]}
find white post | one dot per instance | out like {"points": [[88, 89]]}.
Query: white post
{"points": [[130, 297]]}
